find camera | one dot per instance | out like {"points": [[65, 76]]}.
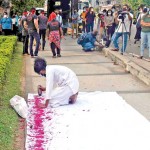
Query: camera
{"points": [[122, 15]]}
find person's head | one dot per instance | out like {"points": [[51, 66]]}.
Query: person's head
{"points": [[113, 9], [40, 66], [125, 7], [109, 12], [33, 10], [25, 12], [42, 12], [84, 9], [56, 11], [5, 14], [95, 33], [75, 11], [91, 9], [141, 8], [145, 10], [52, 16]]}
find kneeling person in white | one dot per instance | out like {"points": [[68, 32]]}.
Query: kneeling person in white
{"points": [[62, 84]]}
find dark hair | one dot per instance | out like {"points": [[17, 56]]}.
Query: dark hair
{"points": [[109, 11], [32, 9], [42, 11], [126, 5], [39, 64], [5, 12]]}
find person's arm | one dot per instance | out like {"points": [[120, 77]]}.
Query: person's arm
{"points": [[61, 32], [145, 24], [1, 24], [116, 18], [25, 25], [49, 88], [130, 16], [47, 31], [36, 24]]}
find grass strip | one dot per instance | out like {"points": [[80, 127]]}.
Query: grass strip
{"points": [[8, 117]]}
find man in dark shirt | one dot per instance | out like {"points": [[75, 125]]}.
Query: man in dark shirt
{"points": [[42, 20], [25, 34], [31, 23]]}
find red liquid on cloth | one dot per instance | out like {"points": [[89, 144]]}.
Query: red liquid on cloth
{"points": [[35, 125]]}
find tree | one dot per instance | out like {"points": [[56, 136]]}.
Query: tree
{"points": [[147, 2], [20, 5]]}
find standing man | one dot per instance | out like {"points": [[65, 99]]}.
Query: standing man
{"points": [[31, 23], [42, 20], [124, 21], [6, 25], [62, 84], [145, 33], [83, 14], [75, 17], [25, 34]]}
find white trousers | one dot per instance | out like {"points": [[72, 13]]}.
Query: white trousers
{"points": [[60, 96]]}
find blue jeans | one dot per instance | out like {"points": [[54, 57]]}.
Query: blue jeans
{"points": [[35, 36], [145, 40], [125, 40], [90, 27]]}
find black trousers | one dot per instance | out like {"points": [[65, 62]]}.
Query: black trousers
{"points": [[54, 47], [42, 33], [25, 44], [7, 31]]}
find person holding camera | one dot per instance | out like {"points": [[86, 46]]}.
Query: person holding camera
{"points": [[145, 33], [123, 19]]}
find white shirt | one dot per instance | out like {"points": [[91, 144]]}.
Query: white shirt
{"points": [[60, 76], [59, 18], [121, 28]]}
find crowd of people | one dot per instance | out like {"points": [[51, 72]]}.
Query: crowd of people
{"points": [[115, 23], [110, 25]]}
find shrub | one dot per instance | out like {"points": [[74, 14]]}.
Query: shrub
{"points": [[7, 47]]}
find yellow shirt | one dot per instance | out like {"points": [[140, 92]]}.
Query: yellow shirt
{"points": [[83, 14]]}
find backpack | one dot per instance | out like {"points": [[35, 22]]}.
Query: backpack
{"points": [[81, 38]]}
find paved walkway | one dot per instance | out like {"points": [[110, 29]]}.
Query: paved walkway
{"points": [[95, 73]]}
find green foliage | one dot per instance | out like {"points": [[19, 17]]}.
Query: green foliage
{"points": [[7, 47], [20, 5], [8, 117], [134, 4]]}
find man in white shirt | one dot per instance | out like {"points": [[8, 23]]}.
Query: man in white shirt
{"points": [[62, 84], [124, 23]]}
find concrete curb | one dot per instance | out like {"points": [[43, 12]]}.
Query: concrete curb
{"points": [[128, 65]]}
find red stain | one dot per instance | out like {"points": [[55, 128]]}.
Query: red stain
{"points": [[35, 124]]}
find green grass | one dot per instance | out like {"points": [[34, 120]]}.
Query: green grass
{"points": [[12, 86]]}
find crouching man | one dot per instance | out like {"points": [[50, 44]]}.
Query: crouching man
{"points": [[62, 84], [88, 41]]}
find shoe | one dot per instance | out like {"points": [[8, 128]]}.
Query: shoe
{"points": [[115, 49], [53, 56], [121, 53], [32, 56], [58, 55], [140, 57], [35, 55]]}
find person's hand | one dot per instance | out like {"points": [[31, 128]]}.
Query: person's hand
{"points": [[116, 14], [62, 37]]}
